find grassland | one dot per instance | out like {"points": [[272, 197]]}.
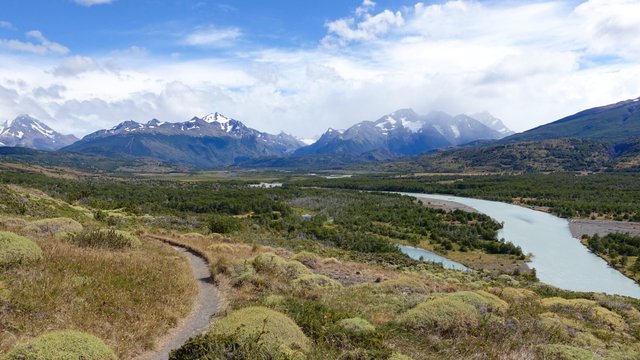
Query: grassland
{"points": [[100, 291]]}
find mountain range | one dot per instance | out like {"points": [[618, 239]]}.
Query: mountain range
{"points": [[606, 137], [404, 132], [211, 141], [216, 140], [25, 131]]}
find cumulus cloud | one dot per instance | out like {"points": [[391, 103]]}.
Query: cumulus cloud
{"points": [[41, 45], [212, 37], [93, 2], [75, 65], [363, 26], [611, 27]]}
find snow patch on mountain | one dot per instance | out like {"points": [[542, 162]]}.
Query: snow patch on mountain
{"points": [[455, 130]]}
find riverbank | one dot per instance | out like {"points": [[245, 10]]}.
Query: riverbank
{"points": [[590, 227], [446, 205]]}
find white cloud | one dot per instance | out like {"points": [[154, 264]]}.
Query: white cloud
{"points": [[212, 37], [93, 2], [611, 27], [75, 65], [41, 45], [6, 25], [363, 26], [53, 92]]}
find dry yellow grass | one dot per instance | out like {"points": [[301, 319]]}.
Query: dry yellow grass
{"points": [[99, 291]]}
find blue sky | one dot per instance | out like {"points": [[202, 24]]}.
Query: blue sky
{"points": [[302, 66]]}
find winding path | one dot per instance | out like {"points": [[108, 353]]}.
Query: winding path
{"points": [[205, 306]]}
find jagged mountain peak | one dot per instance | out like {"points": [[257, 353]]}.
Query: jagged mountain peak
{"points": [[402, 132], [213, 140], [492, 122], [216, 117], [27, 131]]}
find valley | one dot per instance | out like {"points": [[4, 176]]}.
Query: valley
{"points": [[442, 276]]}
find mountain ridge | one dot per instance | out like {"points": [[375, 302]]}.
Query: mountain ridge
{"points": [[211, 141], [404, 132], [29, 132]]}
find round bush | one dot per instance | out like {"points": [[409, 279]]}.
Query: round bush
{"points": [[274, 331], [313, 282], [273, 264], [16, 249], [589, 310], [62, 345], [309, 259], [442, 315], [54, 226], [106, 238]]}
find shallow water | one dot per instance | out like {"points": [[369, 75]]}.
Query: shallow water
{"points": [[559, 258], [428, 256]]}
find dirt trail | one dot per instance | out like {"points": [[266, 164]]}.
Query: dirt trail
{"points": [[204, 308]]}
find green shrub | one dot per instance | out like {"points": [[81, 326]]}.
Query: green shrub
{"points": [[55, 226], [310, 260], [312, 282], [219, 346], [564, 352], [404, 285], [273, 331], [583, 309], [222, 224], [442, 314], [275, 265], [515, 294], [16, 249], [62, 345], [357, 326], [106, 238]]}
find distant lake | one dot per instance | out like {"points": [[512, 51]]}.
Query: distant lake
{"points": [[559, 258]]}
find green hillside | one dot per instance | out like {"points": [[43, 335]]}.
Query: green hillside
{"points": [[611, 123]]}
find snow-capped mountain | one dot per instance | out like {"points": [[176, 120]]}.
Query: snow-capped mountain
{"points": [[402, 132], [493, 122], [213, 140], [25, 131]]}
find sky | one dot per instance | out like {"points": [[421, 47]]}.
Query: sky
{"points": [[305, 66]]}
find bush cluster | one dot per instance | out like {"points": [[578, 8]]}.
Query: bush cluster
{"points": [[16, 249], [62, 345], [106, 238]]}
